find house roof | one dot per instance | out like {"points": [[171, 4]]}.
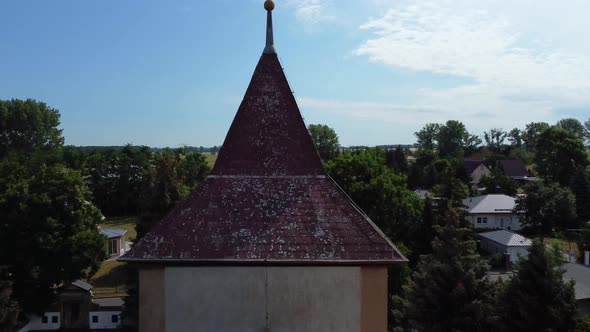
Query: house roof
{"points": [[581, 275], [108, 303], [268, 199], [493, 203], [83, 285], [507, 238], [471, 164], [113, 232], [423, 193], [513, 168]]}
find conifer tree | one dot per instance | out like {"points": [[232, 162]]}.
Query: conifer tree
{"points": [[536, 297], [449, 290]]}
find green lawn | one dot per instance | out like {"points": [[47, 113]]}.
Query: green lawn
{"points": [[111, 278], [211, 158], [127, 223]]}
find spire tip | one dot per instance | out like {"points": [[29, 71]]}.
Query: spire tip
{"points": [[269, 5]]}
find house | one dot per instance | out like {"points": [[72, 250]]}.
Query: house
{"points": [[117, 245], [475, 169], [505, 242], [423, 193], [493, 211], [77, 309], [581, 275], [268, 241], [515, 169]]}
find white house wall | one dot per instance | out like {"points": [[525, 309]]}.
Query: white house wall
{"points": [[510, 221], [478, 173], [104, 319], [496, 248], [36, 323], [235, 299], [517, 252]]}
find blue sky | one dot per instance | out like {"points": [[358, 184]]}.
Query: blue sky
{"points": [[173, 73]]}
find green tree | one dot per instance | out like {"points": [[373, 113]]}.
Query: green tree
{"points": [[536, 297], [428, 136], [449, 190], [473, 144], [558, 154], [28, 126], [379, 191], [546, 207], [449, 290], [573, 126], [49, 232], [452, 138], [495, 139], [116, 177], [192, 169], [396, 159], [515, 137], [581, 189], [325, 139], [422, 171], [163, 190], [499, 183], [532, 132], [587, 126]]}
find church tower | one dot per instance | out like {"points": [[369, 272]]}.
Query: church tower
{"points": [[268, 242]]}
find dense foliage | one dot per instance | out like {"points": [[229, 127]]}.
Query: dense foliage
{"points": [[48, 233], [547, 207], [27, 126], [449, 290], [536, 297], [558, 154], [325, 139], [378, 190]]}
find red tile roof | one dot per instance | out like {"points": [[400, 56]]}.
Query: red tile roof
{"points": [[268, 135], [268, 199]]}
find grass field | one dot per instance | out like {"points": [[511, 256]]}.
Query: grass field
{"points": [[111, 278], [127, 223], [567, 246], [211, 158]]}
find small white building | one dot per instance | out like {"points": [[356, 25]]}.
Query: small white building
{"points": [[505, 242], [494, 211], [117, 244]]}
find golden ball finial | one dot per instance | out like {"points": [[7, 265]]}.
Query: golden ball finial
{"points": [[269, 5]]}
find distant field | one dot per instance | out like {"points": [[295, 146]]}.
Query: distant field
{"points": [[211, 158]]}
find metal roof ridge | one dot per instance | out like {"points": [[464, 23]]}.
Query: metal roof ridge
{"points": [[266, 176]]}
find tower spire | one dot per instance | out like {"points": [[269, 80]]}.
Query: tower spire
{"points": [[269, 5]]}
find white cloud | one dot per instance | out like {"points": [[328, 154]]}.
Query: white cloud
{"points": [[517, 76], [310, 12]]}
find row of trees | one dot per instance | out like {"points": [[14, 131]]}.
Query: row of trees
{"points": [[444, 287], [48, 232], [52, 198]]}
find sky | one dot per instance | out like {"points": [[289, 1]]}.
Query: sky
{"points": [[173, 73]]}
